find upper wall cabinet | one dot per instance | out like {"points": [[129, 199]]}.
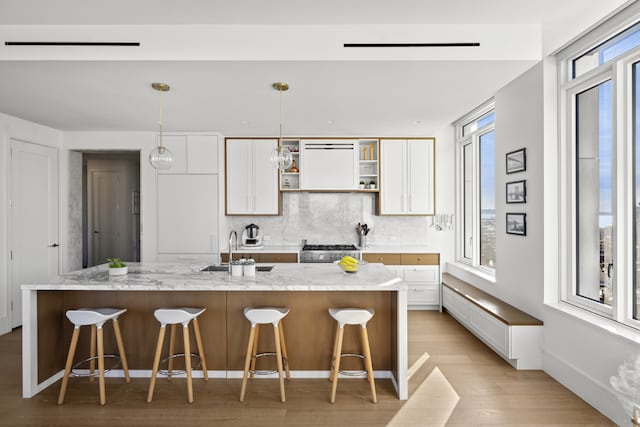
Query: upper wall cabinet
{"points": [[252, 181], [192, 154], [407, 176]]}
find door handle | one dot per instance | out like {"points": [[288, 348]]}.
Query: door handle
{"points": [[96, 232], [55, 245]]}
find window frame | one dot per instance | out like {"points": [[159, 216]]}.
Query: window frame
{"points": [[473, 139], [620, 72]]}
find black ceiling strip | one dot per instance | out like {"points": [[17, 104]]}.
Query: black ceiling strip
{"points": [[72, 43], [411, 44]]}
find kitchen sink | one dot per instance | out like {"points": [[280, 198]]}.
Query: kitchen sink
{"points": [[226, 268]]}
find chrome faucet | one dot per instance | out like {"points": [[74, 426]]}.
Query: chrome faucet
{"points": [[231, 235]]}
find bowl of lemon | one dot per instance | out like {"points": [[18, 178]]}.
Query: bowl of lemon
{"points": [[347, 264]]}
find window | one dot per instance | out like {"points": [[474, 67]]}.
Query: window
{"points": [[476, 233], [600, 164]]}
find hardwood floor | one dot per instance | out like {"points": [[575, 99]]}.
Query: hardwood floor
{"points": [[456, 380]]}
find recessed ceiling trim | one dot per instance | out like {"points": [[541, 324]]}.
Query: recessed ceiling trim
{"points": [[129, 44], [472, 44]]}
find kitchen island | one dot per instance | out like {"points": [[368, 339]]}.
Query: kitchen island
{"points": [[307, 289]]}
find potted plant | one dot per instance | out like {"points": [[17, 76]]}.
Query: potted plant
{"points": [[362, 185], [117, 267], [372, 185]]}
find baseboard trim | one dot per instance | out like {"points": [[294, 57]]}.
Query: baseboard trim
{"points": [[600, 396]]}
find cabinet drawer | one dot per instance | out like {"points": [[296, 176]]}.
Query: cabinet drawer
{"points": [[427, 274], [279, 257], [390, 259], [423, 295], [420, 259]]}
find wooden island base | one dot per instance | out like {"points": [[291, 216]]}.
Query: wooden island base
{"points": [[308, 328]]}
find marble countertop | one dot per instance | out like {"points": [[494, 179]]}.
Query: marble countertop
{"points": [[188, 277], [266, 248]]}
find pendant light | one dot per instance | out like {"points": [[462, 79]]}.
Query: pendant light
{"points": [[160, 157], [281, 158]]}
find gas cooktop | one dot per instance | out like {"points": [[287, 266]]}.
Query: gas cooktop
{"points": [[327, 253]]}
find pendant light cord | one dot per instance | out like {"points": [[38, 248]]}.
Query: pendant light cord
{"points": [[160, 122], [280, 118]]}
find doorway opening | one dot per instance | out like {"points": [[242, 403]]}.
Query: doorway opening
{"points": [[110, 206]]}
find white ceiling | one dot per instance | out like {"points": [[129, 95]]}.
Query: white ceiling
{"points": [[224, 84]]}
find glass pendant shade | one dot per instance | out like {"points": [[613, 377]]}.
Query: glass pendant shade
{"points": [[161, 158], [281, 158]]}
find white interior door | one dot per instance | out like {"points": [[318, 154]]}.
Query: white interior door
{"points": [[34, 219], [105, 213]]}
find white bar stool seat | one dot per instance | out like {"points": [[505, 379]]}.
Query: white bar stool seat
{"points": [[96, 318], [351, 316], [265, 316], [173, 317]]}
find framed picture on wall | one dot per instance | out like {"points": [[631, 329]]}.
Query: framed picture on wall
{"points": [[516, 192], [517, 223], [517, 161]]}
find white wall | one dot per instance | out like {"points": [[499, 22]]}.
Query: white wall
{"points": [[11, 127], [519, 279]]}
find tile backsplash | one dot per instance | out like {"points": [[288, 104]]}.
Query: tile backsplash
{"points": [[331, 218]]}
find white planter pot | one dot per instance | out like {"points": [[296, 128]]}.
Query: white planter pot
{"points": [[121, 271]]}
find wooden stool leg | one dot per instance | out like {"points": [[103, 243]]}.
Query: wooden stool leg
{"points": [[284, 351], [92, 353], [256, 338], [69, 364], [333, 355], [196, 329], [367, 362], [247, 362], [172, 346], [336, 369], [187, 361], [123, 356], [276, 334], [156, 363], [103, 398]]}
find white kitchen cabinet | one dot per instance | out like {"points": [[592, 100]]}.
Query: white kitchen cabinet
{"points": [[187, 214], [192, 154], [407, 176], [251, 179], [423, 285], [329, 164]]}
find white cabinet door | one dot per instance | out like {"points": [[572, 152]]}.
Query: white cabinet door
{"points": [[239, 177], [393, 178], [407, 168], [177, 144], [265, 176], [252, 181], [202, 154], [187, 213], [421, 186], [329, 164]]}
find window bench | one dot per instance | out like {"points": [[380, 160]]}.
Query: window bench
{"points": [[510, 332]]}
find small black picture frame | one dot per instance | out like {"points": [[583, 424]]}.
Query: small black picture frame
{"points": [[517, 223], [516, 161], [516, 191]]}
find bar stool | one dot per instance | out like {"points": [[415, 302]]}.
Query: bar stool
{"points": [[351, 316], [96, 317], [263, 316], [173, 316]]}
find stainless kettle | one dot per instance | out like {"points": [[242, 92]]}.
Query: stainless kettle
{"points": [[252, 231]]}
